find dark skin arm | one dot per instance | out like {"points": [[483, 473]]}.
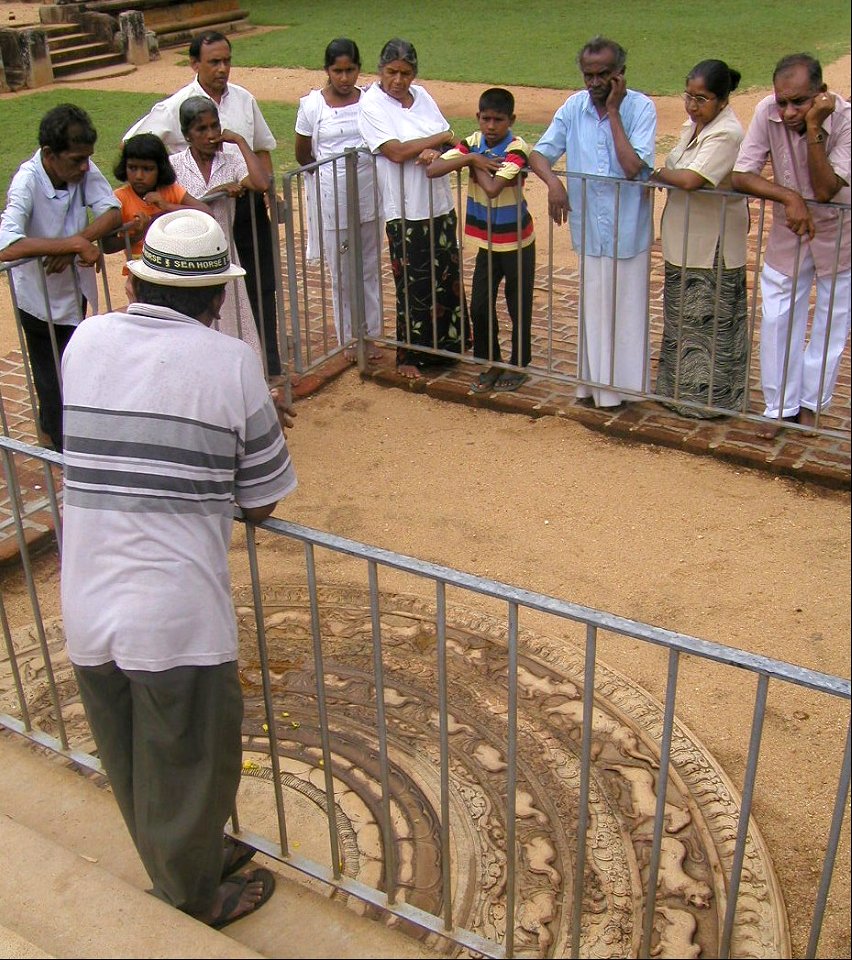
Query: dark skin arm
{"points": [[629, 160], [304, 150], [136, 227], [557, 196], [824, 180], [60, 252], [286, 414], [439, 167], [399, 152], [685, 179]]}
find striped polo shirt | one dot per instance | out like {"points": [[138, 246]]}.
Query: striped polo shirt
{"points": [[514, 152], [166, 425]]}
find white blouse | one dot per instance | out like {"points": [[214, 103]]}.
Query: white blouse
{"points": [[382, 119], [333, 130]]}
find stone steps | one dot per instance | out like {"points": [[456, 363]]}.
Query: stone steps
{"points": [[72, 885]]}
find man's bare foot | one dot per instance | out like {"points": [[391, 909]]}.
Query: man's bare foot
{"points": [[768, 431], [374, 354], [350, 354], [409, 371], [239, 895]]}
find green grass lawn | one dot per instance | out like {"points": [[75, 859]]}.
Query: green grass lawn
{"points": [[535, 43]]}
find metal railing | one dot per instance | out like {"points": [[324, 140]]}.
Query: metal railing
{"points": [[662, 754], [559, 326]]}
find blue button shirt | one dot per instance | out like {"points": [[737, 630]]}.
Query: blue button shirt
{"points": [[587, 143]]}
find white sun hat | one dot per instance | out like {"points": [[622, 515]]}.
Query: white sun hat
{"points": [[185, 248]]}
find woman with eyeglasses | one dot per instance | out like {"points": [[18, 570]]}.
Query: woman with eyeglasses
{"points": [[704, 350]]}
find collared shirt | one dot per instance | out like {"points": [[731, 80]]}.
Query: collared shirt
{"points": [[768, 139], [497, 219], [238, 111], [166, 423], [587, 143], [36, 208], [710, 154]]}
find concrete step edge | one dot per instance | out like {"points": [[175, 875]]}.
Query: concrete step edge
{"points": [[70, 907], [14, 947]]}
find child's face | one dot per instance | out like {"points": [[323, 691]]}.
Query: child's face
{"points": [[494, 125], [142, 175]]}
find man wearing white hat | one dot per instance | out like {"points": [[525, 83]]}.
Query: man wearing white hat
{"points": [[168, 424]]}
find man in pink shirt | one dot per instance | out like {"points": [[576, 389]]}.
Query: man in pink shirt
{"points": [[805, 131]]}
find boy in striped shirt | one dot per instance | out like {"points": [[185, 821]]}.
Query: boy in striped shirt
{"points": [[499, 224]]}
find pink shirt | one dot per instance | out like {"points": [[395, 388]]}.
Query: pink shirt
{"points": [[769, 139]]}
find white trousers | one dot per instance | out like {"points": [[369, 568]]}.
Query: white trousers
{"points": [[828, 338], [614, 328], [336, 244]]}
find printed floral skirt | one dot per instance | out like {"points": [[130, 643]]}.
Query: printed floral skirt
{"points": [[411, 255]]}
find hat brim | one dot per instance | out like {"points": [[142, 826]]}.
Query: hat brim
{"points": [[141, 270]]}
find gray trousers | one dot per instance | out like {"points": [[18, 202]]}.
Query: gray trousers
{"points": [[171, 745]]}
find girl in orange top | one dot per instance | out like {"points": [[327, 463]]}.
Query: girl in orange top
{"points": [[150, 189]]}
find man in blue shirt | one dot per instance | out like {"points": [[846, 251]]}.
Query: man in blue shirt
{"points": [[605, 131]]}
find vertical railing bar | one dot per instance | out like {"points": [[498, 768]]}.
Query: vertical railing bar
{"points": [[683, 258], [292, 271], [381, 724], [744, 816], [585, 778], [511, 778], [259, 320], [316, 636], [840, 805], [829, 319], [13, 664], [444, 741], [614, 315], [14, 489], [660, 810], [355, 261], [263, 655]]}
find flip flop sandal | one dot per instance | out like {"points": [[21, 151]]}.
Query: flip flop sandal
{"points": [[510, 381], [484, 383], [232, 902], [238, 854]]}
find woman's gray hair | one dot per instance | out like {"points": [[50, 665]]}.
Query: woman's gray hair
{"points": [[397, 49], [192, 108]]}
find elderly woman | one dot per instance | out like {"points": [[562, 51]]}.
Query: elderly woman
{"points": [[402, 124], [705, 334], [221, 165]]}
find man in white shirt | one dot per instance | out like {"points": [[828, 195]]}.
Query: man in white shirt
{"points": [[168, 425], [210, 59], [47, 215]]}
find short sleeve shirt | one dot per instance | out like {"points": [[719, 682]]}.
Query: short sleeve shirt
{"points": [[586, 141], [768, 139], [697, 214], [36, 208]]}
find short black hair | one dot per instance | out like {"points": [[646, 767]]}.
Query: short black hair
{"points": [[342, 47], [203, 39], [146, 146], [497, 99], [599, 44], [190, 301], [65, 126], [793, 60]]}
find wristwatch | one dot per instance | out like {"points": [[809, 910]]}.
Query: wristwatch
{"points": [[817, 138]]}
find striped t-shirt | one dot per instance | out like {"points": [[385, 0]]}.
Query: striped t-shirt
{"points": [[503, 231], [166, 424]]}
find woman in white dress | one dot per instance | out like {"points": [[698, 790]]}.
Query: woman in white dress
{"points": [[220, 162], [326, 125], [403, 126]]}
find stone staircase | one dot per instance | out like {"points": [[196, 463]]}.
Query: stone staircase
{"points": [[74, 52], [71, 885]]}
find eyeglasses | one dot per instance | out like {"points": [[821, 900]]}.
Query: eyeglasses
{"points": [[698, 101]]}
